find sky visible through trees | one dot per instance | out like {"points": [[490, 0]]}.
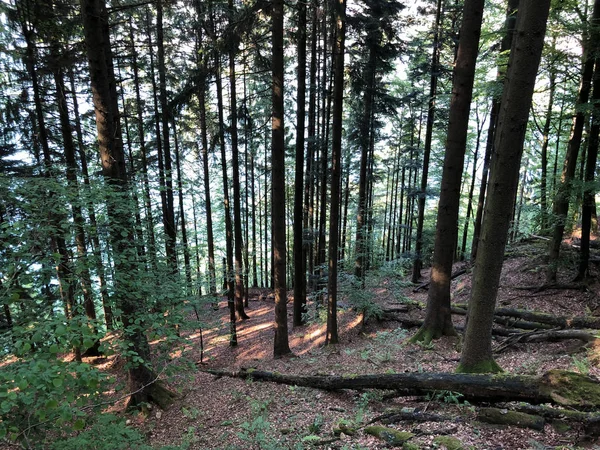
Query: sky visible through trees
{"points": [[159, 157]]}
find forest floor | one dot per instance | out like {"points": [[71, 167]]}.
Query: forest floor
{"points": [[224, 412], [229, 413]]}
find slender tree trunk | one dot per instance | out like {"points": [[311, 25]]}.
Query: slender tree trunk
{"points": [[309, 183], [235, 166], [364, 173], [184, 236], [281, 345], [212, 276], [545, 143], [509, 27], [299, 259], [331, 334], [438, 320], [69, 152], [162, 176], [229, 276], [435, 62], [524, 61], [64, 269], [165, 115], [463, 249], [95, 240], [560, 208], [143, 151], [589, 192], [142, 379]]}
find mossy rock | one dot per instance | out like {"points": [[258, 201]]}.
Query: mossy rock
{"points": [[561, 427], [389, 435], [449, 442], [571, 389], [410, 446]]}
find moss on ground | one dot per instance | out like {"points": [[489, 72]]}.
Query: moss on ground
{"points": [[389, 435]]}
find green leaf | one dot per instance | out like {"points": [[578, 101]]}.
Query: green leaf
{"points": [[57, 382], [51, 404], [6, 406], [79, 424], [23, 384], [60, 330], [87, 343], [54, 349]]}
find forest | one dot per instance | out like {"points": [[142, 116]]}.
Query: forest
{"points": [[262, 224]]}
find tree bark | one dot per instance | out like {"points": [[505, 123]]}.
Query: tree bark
{"points": [[299, 254], [509, 28], [281, 345], [589, 192], [143, 383], [560, 208], [438, 320], [556, 386], [435, 62], [331, 333], [524, 61]]}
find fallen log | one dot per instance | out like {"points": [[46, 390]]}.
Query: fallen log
{"points": [[505, 417], [547, 336], [590, 421], [555, 286], [535, 318], [555, 386], [549, 319], [413, 416], [533, 336]]}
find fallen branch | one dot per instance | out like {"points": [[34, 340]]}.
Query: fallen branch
{"points": [[555, 286], [504, 417], [549, 319], [556, 386], [412, 416], [538, 319]]}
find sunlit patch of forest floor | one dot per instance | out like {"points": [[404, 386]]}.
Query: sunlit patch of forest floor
{"points": [[223, 413]]}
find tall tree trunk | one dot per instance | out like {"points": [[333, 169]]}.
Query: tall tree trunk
{"points": [[523, 65], [331, 334], [463, 248], [435, 62], [71, 174], [589, 192], [162, 176], [64, 269], [143, 151], [509, 28], [560, 208], [142, 379], [438, 320], [95, 240], [235, 166], [184, 237], [299, 260], [309, 181], [229, 276], [545, 143], [210, 241], [281, 345], [165, 115], [365, 131]]}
